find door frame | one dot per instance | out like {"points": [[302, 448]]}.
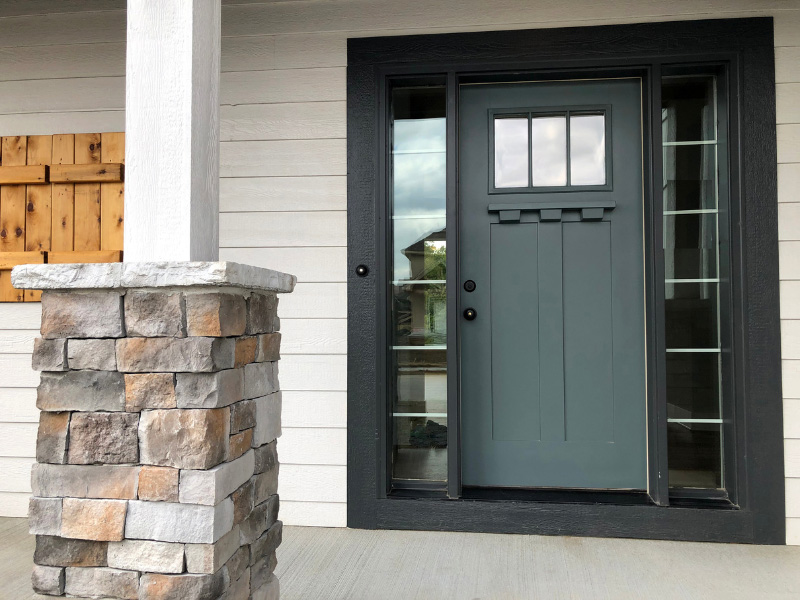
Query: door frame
{"points": [[746, 47]]}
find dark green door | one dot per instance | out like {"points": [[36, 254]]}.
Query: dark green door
{"points": [[551, 239]]}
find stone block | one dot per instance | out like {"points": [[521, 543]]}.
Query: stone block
{"points": [[166, 355], [149, 390], [242, 502], [185, 523], [260, 379], [53, 437], [261, 571], [98, 355], [210, 558], [261, 312], [266, 456], [53, 551], [245, 351], [44, 516], [158, 484], [269, 347], [243, 416], [181, 587], [266, 544], [102, 583], [213, 485], [240, 443], [48, 580], [268, 419], [265, 485], [185, 439], [215, 314], [271, 513], [82, 315], [238, 564], [49, 355], [154, 314], [271, 590], [145, 555], [240, 588], [209, 390], [84, 481], [262, 517], [108, 438], [81, 390], [98, 520]]}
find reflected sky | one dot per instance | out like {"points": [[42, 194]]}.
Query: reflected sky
{"points": [[420, 167], [549, 160], [587, 146], [510, 153]]}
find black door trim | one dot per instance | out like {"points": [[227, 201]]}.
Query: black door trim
{"points": [[746, 47]]}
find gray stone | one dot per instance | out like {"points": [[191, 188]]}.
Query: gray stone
{"points": [[82, 276], [209, 558], [240, 588], [48, 580], [154, 314], [52, 551], [44, 516], [84, 481], [160, 355], [260, 379], [262, 517], [238, 564], [107, 438], [243, 416], [209, 390], [268, 419], [213, 485], [92, 354], [272, 507], [265, 485], [242, 502], [103, 582], [266, 456], [186, 439], [181, 587], [271, 590], [49, 355], [267, 543], [215, 314], [145, 555], [81, 390], [269, 347], [261, 571], [261, 312], [52, 437], [185, 523], [82, 315]]}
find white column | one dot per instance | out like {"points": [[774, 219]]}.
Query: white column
{"points": [[172, 130]]}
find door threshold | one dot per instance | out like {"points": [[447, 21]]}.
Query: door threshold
{"points": [[558, 496]]}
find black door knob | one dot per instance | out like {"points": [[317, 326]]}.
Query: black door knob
{"points": [[469, 285], [470, 314]]}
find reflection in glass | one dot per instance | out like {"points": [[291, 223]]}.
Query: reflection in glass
{"points": [[420, 313], [691, 315], [420, 175], [693, 385], [690, 177], [549, 156], [419, 249], [420, 448], [687, 109], [587, 149], [690, 246], [510, 152], [694, 455], [421, 381]]}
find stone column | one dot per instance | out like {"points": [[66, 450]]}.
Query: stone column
{"points": [[157, 468]]}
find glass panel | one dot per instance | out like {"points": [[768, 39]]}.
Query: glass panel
{"points": [[549, 142], [690, 246], [587, 149], [690, 177], [695, 455], [691, 315], [693, 385], [419, 249], [510, 152], [687, 109], [420, 312], [421, 381], [420, 174], [420, 448]]}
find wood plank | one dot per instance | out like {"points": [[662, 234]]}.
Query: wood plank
{"points": [[9, 260], [112, 195], [8, 293], [87, 195], [20, 175], [99, 173], [63, 196], [38, 217], [87, 148], [12, 197], [97, 256]]}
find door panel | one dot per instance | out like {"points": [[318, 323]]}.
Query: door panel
{"points": [[553, 368]]}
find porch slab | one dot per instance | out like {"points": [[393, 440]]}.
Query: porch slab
{"points": [[406, 565]]}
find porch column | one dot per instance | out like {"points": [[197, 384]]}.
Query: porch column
{"points": [[172, 131]]}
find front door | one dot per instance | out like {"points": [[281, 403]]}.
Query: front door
{"points": [[552, 285]]}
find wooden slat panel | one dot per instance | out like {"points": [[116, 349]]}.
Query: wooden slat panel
{"points": [[9, 260], [86, 173], [112, 195], [12, 198], [63, 195], [20, 175], [38, 210], [87, 195], [97, 256]]}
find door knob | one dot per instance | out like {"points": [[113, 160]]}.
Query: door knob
{"points": [[470, 314]]}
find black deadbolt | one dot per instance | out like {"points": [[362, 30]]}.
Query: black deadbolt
{"points": [[362, 270], [469, 285], [470, 314]]}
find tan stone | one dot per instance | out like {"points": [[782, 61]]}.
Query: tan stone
{"points": [[239, 444], [153, 586], [245, 351], [98, 520], [158, 483], [52, 439], [108, 438], [84, 481], [149, 390], [184, 438], [174, 355], [269, 347], [102, 583], [215, 314]]}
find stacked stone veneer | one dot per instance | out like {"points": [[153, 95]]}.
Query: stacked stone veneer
{"points": [[157, 468]]}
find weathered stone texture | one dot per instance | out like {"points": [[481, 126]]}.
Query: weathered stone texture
{"points": [[266, 456], [81, 390], [243, 416], [164, 355], [50, 355], [99, 520], [261, 570], [186, 439], [209, 558], [238, 564], [215, 314], [240, 588], [48, 580], [261, 312], [55, 551], [267, 543], [98, 355], [269, 347], [158, 484], [265, 485], [181, 587], [245, 351], [145, 555], [260, 379], [53, 437], [271, 590], [44, 516], [149, 390], [84, 481], [209, 390], [239, 444], [213, 485], [268, 419], [262, 517], [186, 523], [82, 315], [108, 438], [242, 502], [100, 583], [154, 314]]}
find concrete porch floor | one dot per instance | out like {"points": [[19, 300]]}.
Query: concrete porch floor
{"points": [[319, 564]]}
